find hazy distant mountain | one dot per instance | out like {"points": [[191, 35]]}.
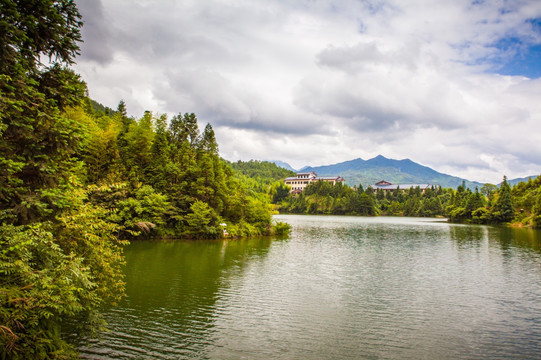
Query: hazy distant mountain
{"points": [[282, 164], [369, 172], [513, 182]]}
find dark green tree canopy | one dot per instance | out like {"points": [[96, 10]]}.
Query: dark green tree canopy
{"points": [[36, 142], [504, 210], [208, 140], [30, 29]]}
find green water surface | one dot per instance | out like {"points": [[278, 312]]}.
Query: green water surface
{"points": [[336, 288]]}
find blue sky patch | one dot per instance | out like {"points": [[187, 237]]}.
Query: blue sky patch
{"points": [[526, 62], [521, 56]]}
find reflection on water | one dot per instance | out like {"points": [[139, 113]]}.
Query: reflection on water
{"points": [[528, 239], [338, 287], [172, 290]]}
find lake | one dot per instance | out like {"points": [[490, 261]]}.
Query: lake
{"points": [[335, 288]]}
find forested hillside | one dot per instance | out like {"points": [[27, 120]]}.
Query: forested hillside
{"points": [[263, 171], [165, 177], [77, 179]]}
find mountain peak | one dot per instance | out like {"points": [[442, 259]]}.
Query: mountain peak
{"points": [[282, 164], [406, 171]]}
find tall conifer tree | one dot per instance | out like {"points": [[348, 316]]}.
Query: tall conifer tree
{"points": [[36, 140], [503, 209]]}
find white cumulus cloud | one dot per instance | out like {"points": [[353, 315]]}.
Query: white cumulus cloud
{"points": [[319, 82]]}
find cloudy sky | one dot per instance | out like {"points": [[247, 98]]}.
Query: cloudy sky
{"points": [[454, 85]]}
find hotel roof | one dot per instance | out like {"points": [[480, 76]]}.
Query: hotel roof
{"points": [[401, 186]]}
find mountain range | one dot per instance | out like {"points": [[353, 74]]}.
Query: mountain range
{"points": [[369, 172]]}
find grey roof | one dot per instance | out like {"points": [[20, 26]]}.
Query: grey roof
{"points": [[313, 178], [401, 186], [329, 178]]}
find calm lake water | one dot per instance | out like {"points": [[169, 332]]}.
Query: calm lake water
{"points": [[336, 288]]}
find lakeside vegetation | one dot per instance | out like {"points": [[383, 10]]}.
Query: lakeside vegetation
{"points": [[77, 180], [491, 204]]}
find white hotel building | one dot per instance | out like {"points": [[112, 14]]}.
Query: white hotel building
{"points": [[301, 181]]}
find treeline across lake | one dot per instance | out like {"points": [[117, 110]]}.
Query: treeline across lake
{"points": [[490, 204]]}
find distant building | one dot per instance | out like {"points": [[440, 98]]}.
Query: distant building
{"points": [[387, 186], [300, 182]]}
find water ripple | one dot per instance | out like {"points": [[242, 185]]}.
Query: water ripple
{"points": [[339, 287]]}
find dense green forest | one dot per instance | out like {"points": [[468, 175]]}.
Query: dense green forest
{"points": [[265, 178], [263, 172], [491, 204], [163, 177], [77, 180]]}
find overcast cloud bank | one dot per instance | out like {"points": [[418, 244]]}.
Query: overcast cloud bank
{"points": [[320, 82]]}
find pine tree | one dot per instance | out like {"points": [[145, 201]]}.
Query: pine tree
{"points": [[208, 141], [121, 108], [503, 208], [37, 142], [473, 202]]}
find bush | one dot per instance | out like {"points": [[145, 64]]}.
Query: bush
{"points": [[40, 286], [243, 229], [281, 228]]}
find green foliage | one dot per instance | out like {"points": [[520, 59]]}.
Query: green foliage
{"points": [[202, 221], [281, 228], [324, 198], [481, 215], [263, 172], [430, 207], [503, 210], [40, 286], [100, 152], [395, 209], [36, 140], [525, 197], [491, 205], [99, 110], [51, 273], [143, 211], [86, 230], [279, 192], [59, 257], [536, 211], [151, 175], [488, 190], [31, 29], [36, 150], [242, 229]]}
